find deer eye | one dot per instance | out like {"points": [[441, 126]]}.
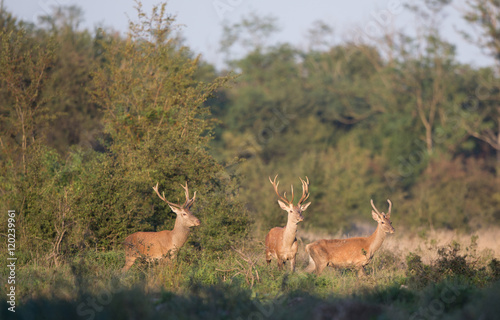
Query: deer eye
{"points": [[383, 222]]}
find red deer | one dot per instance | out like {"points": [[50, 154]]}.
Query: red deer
{"points": [[352, 252], [281, 242], [157, 245]]}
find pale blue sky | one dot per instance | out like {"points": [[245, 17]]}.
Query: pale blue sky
{"points": [[203, 19]]}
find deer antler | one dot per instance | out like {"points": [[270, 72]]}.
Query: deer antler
{"points": [[189, 202], [275, 186], [374, 208], [388, 214], [305, 190], [155, 188]]}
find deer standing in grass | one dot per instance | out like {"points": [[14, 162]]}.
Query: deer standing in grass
{"points": [[281, 242], [156, 245], [352, 252]]}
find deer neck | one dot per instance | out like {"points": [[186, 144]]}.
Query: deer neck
{"points": [[376, 240], [289, 234], [180, 234]]}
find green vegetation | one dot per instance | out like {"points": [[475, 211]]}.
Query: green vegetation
{"points": [[458, 284], [90, 121]]}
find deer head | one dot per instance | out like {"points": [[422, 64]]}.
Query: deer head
{"points": [[294, 211], [184, 215], [383, 218]]}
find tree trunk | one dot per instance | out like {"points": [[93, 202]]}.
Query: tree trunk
{"points": [[428, 139], [498, 146]]}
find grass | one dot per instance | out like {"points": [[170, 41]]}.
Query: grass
{"points": [[446, 276]]}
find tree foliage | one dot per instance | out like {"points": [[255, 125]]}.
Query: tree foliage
{"points": [[148, 96], [364, 121]]}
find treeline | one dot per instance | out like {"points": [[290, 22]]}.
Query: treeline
{"points": [[394, 117], [91, 120]]}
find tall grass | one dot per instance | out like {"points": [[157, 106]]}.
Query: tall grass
{"points": [[411, 276]]}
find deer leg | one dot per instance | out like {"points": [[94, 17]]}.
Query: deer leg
{"points": [[268, 257], [281, 263], [129, 261], [316, 260], [312, 265], [292, 264], [320, 267], [361, 272]]}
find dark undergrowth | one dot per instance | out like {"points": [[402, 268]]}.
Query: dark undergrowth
{"points": [[458, 284]]}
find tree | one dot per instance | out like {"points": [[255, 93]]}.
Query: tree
{"points": [[24, 71], [32, 175], [251, 34], [157, 129], [76, 55], [484, 123]]}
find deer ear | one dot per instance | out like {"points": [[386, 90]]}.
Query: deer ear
{"points": [[304, 206], [174, 209], [283, 205], [375, 216]]}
